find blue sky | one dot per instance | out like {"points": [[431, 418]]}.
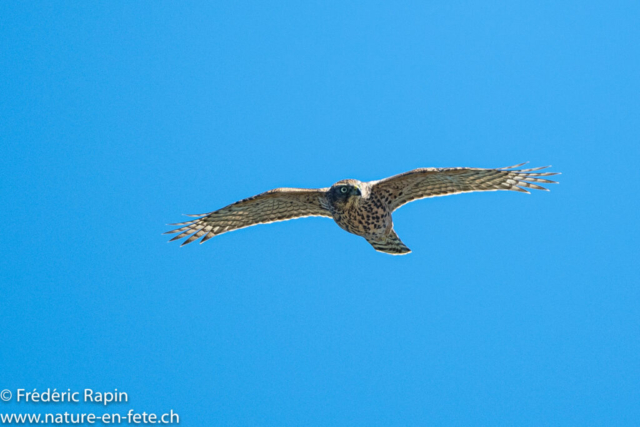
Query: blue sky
{"points": [[116, 117]]}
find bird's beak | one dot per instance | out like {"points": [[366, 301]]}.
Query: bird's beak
{"points": [[357, 191]]}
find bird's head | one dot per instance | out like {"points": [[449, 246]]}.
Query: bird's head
{"points": [[346, 191]]}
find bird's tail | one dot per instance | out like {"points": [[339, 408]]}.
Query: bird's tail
{"points": [[389, 243]]}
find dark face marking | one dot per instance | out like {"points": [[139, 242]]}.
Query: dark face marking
{"points": [[341, 193]]}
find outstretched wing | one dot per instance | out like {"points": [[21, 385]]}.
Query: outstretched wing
{"points": [[280, 204], [432, 182]]}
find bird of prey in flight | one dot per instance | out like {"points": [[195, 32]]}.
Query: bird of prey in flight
{"points": [[361, 208]]}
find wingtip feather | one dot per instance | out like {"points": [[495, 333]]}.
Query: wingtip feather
{"points": [[515, 166]]}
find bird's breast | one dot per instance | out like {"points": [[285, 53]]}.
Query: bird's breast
{"points": [[370, 217]]}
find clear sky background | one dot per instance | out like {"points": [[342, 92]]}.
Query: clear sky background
{"points": [[513, 309]]}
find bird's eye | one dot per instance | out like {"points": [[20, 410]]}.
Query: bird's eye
{"points": [[344, 189]]}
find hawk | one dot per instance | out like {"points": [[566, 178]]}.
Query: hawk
{"points": [[361, 208]]}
